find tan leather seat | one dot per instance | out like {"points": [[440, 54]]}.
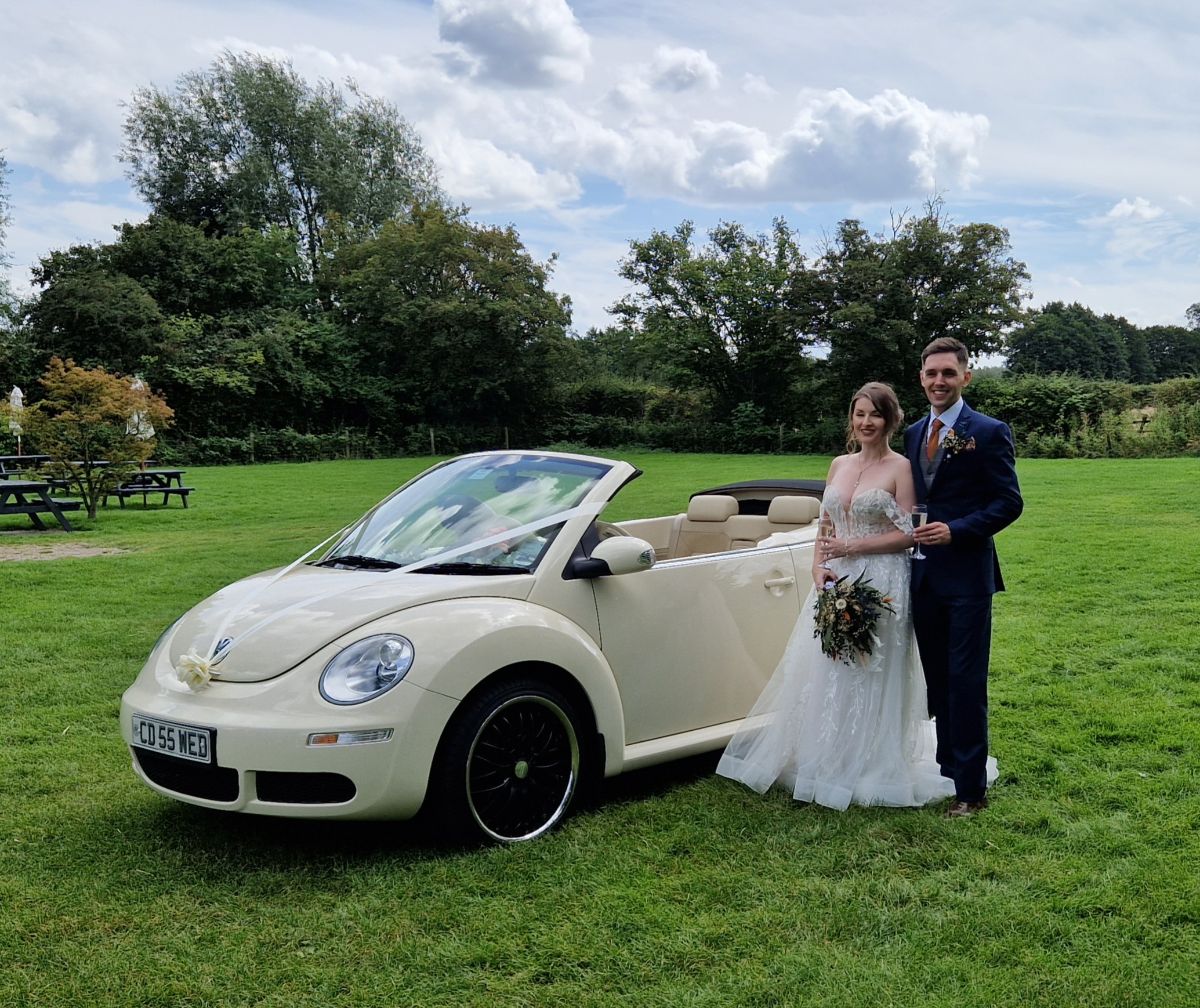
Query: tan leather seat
{"points": [[703, 529], [786, 513], [747, 530]]}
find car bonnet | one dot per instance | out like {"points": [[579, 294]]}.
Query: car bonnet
{"points": [[259, 628]]}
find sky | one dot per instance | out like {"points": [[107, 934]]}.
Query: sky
{"points": [[586, 124]]}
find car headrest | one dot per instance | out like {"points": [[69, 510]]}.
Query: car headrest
{"points": [[793, 510], [711, 508]]}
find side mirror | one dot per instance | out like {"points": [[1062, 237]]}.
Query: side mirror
{"points": [[623, 555]]}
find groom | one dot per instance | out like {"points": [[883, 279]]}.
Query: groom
{"points": [[963, 469]]}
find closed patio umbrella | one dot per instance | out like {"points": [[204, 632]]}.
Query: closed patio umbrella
{"points": [[16, 402], [139, 424]]}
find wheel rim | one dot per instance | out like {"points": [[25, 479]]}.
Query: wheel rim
{"points": [[522, 768]]}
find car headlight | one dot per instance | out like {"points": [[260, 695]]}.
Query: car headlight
{"points": [[367, 668]]}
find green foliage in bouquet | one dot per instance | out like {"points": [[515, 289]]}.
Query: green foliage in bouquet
{"points": [[845, 618]]}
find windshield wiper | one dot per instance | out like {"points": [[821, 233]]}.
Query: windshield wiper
{"points": [[465, 567], [358, 560]]}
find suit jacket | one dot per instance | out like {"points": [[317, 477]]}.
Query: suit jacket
{"points": [[975, 491]]}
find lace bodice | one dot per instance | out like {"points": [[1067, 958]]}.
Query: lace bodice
{"points": [[871, 512]]}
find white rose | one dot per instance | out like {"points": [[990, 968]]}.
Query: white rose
{"points": [[193, 671]]}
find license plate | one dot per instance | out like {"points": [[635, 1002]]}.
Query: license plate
{"points": [[184, 741]]}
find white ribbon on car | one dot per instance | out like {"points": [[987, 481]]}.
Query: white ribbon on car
{"points": [[195, 669]]}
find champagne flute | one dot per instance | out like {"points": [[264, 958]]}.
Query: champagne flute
{"points": [[824, 531], [919, 517]]}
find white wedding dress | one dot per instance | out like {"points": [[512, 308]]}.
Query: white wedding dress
{"points": [[834, 733]]}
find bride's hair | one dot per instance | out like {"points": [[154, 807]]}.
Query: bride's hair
{"points": [[883, 398]]}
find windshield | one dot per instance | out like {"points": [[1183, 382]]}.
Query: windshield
{"points": [[466, 501]]}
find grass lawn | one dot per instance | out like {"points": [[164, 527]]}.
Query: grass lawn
{"points": [[1080, 886]]}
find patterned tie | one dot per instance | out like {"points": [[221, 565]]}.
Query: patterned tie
{"points": [[931, 446]]}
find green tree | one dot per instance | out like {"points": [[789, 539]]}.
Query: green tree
{"points": [[622, 352], [86, 415], [249, 143], [1059, 339], [732, 317], [189, 272], [223, 324], [886, 297], [1139, 366], [1174, 350], [452, 322], [93, 314]]}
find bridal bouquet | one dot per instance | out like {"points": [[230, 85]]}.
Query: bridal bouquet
{"points": [[845, 617]]}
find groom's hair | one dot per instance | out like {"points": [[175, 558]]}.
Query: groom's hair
{"points": [[948, 344]]}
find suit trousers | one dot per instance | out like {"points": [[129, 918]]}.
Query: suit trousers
{"points": [[954, 637]]}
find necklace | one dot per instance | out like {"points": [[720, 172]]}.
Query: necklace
{"points": [[863, 469]]}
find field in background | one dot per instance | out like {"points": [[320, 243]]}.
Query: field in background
{"points": [[1079, 885]]}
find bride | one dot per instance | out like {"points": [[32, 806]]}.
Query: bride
{"points": [[834, 733]]}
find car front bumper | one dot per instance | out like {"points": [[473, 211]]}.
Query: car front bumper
{"points": [[262, 760]]}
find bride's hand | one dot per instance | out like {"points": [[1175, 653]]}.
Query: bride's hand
{"points": [[821, 548], [836, 547]]}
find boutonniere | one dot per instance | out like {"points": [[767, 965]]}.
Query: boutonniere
{"points": [[952, 444]]}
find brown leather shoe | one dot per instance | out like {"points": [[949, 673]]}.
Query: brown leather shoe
{"points": [[965, 809]]}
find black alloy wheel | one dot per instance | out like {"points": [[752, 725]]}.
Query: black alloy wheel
{"points": [[511, 763]]}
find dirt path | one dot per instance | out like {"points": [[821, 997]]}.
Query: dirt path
{"points": [[54, 551]]}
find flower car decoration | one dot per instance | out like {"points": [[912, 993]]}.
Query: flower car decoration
{"points": [[482, 645]]}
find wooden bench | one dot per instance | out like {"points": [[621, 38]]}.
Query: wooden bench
{"points": [[122, 492], [33, 498]]}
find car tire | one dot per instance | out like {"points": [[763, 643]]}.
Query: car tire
{"points": [[509, 766]]}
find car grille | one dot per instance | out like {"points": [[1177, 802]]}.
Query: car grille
{"points": [[304, 788], [200, 780]]}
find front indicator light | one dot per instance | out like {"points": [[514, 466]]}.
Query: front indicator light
{"points": [[349, 737]]}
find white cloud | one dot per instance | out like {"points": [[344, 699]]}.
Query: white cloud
{"points": [[61, 119], [757, 86], [1137, 231], [889, 145], [837, 147], [1145, 297], [527, 43], [731, 158], [681, 69], [489, 178], [1139, 209]]}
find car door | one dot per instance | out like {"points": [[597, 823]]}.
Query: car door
{"points": [[693, 641]]}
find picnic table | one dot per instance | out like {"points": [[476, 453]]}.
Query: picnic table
{"points": [[14, 465], [33, 498], [144, 482]]}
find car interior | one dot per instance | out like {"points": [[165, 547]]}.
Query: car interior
{"points": [[715, 523]]}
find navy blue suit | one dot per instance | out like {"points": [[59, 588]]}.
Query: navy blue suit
{"points": [[974, 491]]}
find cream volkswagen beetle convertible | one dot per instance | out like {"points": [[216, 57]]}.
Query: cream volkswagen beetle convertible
{"points": [[481, 644]]}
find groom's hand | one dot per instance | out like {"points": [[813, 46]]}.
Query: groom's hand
{"points": [[933, 534]]}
